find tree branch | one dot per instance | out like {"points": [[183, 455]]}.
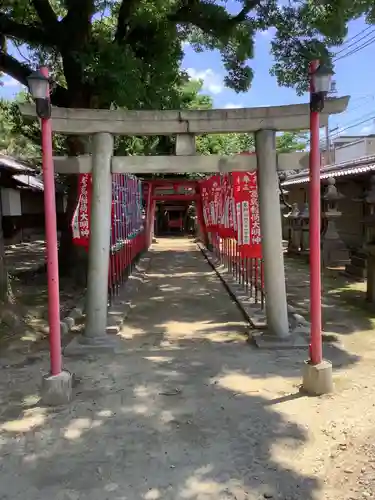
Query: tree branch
{"points": [[76, 39], [196, 13], [248, 7], [20, 72], [46, 14], [125, 11], [14, 68], [78, 18], [24, 33]]}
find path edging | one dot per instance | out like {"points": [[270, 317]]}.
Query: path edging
{"points": [[252, 312], [118, 311]]}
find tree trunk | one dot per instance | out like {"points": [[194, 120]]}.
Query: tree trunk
{"points": [[72, 259]]}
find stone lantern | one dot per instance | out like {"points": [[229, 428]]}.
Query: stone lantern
{"points": [[283, 195], [370, 240], [334, 250], [358, 258], [305, 229], [294, 243]]}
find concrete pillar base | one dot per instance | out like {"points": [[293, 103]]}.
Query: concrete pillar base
{"points": [[86, 346], [57, 389], [317, 379], [269, 341]]}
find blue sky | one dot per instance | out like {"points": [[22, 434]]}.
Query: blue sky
{"points": [[353, 77]]}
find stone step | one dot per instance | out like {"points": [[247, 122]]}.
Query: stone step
{"points": [[360, 272], [359, 260]]}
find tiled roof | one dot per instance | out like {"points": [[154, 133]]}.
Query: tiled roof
{"points": [[13, 165], [352, 167], [29, 181]]}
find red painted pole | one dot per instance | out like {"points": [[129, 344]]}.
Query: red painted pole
{"points": [[51, 243], [316, 351]]}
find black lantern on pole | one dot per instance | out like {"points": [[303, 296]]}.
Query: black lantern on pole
{"points": [[39, 89], [321, 85]]}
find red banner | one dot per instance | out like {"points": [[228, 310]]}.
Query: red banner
{"points": [[226, 224], [223, 216], [211, 192], [232, 211], [247, 214], [215, 202], [81, 217], [208, 203], [205, 204]]}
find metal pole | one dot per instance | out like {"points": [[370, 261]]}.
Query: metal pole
{"points": [[99, 250], [315, 214], [270, 223], [51, 243]]}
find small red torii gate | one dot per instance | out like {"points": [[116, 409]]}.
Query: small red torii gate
{"points": [[151, 197]]}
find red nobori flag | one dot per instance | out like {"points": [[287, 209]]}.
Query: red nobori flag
{"points": [[227, 222], [232, 210], [81, 216], [215, 201], [223, 215], [205, 195], [210, 190], [247, 214]]}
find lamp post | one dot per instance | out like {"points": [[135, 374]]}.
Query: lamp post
{"points": [[320, 82], [38, 83]]}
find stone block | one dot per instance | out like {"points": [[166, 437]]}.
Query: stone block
{"points": [[64, 330], [87, 346], [317, 379], [69, 321], [264, 340], [57, 390]]}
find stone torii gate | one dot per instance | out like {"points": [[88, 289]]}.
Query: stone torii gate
{"points": [[264, 122]]}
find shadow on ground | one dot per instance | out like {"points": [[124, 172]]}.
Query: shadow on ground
{"points": [[344, 306], [187, 412]]}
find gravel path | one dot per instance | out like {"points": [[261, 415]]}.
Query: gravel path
{"points": [[190, 411]]}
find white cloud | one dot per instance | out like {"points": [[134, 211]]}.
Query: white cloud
{"points": [[368, 129], [7, 81], [267, 33], [230, 105], [212, 81]]}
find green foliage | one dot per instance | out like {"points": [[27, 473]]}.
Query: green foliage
{"points": [[127, 53], [11, 142], [224, 144], [22, 139], [291, 141]]}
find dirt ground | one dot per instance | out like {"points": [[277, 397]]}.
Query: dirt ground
{"points": [[191, 410], [24, 322]]}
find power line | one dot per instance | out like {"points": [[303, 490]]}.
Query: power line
{"points": [[352, 41], [367, 98], [372, 118], [351, 125], [356, 49], [363, 116], [334, 135]]}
